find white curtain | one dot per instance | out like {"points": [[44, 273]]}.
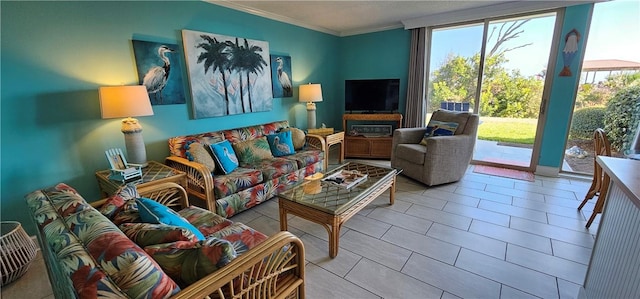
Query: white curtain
{"points": [[415, 110]]}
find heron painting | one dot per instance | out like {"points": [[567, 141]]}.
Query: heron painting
{"points": [[281, 76], [227, 75], [159, 71]]}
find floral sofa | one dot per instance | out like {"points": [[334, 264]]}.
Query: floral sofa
{"points": [[261, 173], [108, 252]]}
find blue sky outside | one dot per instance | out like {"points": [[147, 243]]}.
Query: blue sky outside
{"points": [[614, 35]]}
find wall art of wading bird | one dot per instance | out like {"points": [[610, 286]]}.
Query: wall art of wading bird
{"points": [[156, 78], [283, 77]]}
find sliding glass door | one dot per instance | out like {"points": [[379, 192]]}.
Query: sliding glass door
{"points": [[495, 68]]}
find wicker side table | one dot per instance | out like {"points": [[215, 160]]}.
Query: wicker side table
{"points": [[17, 251]]}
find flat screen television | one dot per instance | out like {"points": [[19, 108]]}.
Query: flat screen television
{"points": [[371, 95]]}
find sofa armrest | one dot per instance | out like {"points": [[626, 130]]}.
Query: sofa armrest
{"points": [[447, 145], [408, 135], [272, 269], [199, 179], [317, 142]]}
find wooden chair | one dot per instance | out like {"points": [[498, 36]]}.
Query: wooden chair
{"points": [[600, 183]]}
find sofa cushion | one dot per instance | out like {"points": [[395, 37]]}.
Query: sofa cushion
{"points": [[254, 150], [281, 144], [275, 168], [240, 179], [225, 157], [152, 211], [413, 153], [188, 262], [241, 236], [206, 221], [197, 152], [145, 234], [305, 158], [439, 128], [115, 202], [298, 137]]}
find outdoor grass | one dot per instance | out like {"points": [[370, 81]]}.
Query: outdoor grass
{"points": [[509, 130]]}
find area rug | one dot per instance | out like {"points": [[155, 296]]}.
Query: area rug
{"points": [[505, 172]]}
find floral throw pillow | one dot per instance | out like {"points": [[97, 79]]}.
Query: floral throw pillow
{"points": [[116, 202], [252, 151], [145, 234], [225, 156], [281, 144], [439, 128]]}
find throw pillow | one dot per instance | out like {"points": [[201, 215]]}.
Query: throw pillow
{"points": [[115, 202], [439, 128], [253, 150], [188, 262], [152, 211], [298, 137], [145, 234], [281, 144], [197, 152], [225, 157]]}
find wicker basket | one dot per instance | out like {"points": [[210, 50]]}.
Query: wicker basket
{"points": [[17, 251]]}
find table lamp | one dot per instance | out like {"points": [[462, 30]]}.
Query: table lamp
{"points": [[311, 93], [128, 101]]}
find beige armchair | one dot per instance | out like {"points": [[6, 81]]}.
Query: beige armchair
{"points": [[444, 159]]}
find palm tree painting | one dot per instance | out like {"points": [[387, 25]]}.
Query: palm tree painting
{"points": [[160, 71], [281, 76], [228, 75]]}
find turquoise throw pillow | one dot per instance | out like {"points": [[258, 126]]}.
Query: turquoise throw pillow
{"points": [[152, 211], [281, 144], [225, 157], [439, 128]]}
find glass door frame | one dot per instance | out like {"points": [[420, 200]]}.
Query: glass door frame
{"points": [[551, 62]]}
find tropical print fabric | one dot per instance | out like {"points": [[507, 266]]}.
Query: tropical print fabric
{"points": [[274, 168], [97, 257], [252, 151], [240, 179], [188, 262], [206, 221], [145, 234], [177, 144], [306, 158], [241, 236], [115, 202]]}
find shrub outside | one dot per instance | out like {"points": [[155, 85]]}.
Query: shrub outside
{"points": [[585, 121]]}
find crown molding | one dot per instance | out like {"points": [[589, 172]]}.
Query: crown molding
{"points": [[268, 15]]}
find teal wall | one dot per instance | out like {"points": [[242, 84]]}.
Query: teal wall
{"points": [[564, 89], [55, 55]]}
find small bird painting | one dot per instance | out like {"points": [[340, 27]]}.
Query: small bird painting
{"points": [[156, 78], [281, 76], [159, 71]]}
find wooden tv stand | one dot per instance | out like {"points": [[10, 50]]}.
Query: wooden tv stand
{"points": [[369, 147]]}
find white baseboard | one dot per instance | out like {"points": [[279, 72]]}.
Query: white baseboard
{"points": [[547, 171]]}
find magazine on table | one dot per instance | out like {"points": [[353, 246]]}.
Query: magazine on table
{"points": [[345, 178]]}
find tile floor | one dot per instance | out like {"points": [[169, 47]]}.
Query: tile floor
{"points": [[482, 237]]}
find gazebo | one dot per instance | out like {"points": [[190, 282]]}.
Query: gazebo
{"points": [[607, 65]]}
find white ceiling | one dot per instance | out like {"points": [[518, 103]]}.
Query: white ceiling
{"points": [[350, 17]]}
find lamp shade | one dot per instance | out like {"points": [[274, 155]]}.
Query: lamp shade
{"points": [[310, 93], [124, 101]]}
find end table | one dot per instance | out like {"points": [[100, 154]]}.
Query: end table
{"points": [[154, 173], [332, 139]]}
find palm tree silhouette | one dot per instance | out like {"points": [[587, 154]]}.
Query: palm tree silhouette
{"points": [[216, 57], [246, 59]]}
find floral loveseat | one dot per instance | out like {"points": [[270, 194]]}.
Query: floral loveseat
{"points": [[260, 176], [91, 253]]}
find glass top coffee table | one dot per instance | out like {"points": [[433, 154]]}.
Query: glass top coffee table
{"points": [[334, 205]]}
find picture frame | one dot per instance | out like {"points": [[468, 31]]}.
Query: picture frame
{"points": [[159, 69], [281, 76], [227, 75]]}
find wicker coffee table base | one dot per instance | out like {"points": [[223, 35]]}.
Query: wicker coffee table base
{"points": [[332, 222]]}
